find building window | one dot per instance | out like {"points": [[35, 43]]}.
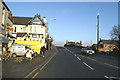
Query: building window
{"points": [[34, 36], [114, 46], [105, 46], [24, 29], [34, 29], [0, 30], [110, 46], [30, 28], [39, 36], [3, 15], [15, 29]]}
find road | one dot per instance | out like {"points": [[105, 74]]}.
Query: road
{"points": [[69, 63]]}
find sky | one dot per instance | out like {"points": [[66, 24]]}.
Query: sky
{"points": [[61, 0], [75, 21]]}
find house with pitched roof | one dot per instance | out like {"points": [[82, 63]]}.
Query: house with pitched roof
{"points": [[30, 28]]}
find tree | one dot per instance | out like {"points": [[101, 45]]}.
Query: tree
{"points": [[114, 33]]}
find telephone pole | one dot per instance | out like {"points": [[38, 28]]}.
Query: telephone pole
{"points": [[97, 30]]}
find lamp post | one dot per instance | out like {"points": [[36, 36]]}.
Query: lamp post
{"points": [[49, 44], [97, 30], [50, 22]]}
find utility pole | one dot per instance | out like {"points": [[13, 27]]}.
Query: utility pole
{"points": [[98, 30]]}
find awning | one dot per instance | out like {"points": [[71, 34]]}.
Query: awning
{"points": [[10, 36]]}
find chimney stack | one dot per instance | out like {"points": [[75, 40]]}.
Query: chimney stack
{"points": [[67, 41], [10, 14], [44, 19], [80, 43]]}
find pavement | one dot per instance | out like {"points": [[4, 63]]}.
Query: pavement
{"points": [[65, 63], [12, 69], [0, 69]]}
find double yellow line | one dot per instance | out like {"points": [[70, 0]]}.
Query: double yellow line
{"points": [[43, 65]]}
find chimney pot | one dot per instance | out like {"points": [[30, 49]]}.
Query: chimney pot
{"points": [[44, 19], [10, 14]]}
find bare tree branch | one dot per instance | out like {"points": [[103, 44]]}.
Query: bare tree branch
{"points": [[114, 33]]}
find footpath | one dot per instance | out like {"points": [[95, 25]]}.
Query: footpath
{"points": [[12, 69]]}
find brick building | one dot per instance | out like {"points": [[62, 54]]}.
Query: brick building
{"points": [[106, 45]]}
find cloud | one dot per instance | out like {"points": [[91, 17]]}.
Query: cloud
{"points": [[61, 0]]}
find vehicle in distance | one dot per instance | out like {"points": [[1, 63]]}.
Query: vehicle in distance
{"points": [[20, 50], [87, 51]]}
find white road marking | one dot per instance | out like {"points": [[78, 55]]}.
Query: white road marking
{"points": [[75, 54], [88, 65], [81, 55], [68, 50], [111, 65], [79, 58], [91, 59], [94, 60], [115, 78], [107, 77]]}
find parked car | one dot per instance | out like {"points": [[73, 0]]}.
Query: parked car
{"points": [[87, 51], [20, 50]]}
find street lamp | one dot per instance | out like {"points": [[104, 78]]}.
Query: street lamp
{"points": [[50, 23], [49, 44], [97, 30]]}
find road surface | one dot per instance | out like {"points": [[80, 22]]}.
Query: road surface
{"points": [[68, 62]]}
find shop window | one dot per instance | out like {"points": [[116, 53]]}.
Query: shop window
{"points": [[34, 36]]}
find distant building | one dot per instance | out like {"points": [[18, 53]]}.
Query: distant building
{"points": [[73, 43], [106, 45]]}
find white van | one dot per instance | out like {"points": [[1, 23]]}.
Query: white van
{"points": [[20, 50]]}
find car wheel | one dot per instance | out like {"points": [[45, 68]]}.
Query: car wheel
{"points": [[35, 54], [14, 55]]}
